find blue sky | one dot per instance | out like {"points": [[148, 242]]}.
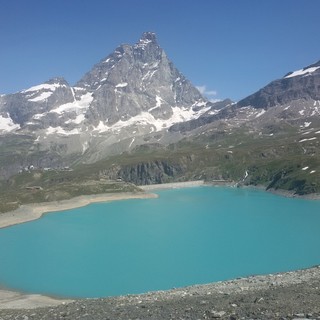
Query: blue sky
{"points": [[229, 48]]}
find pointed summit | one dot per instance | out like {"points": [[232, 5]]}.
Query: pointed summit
{"points": [[148, 36], [139, 80], [148, 40]]}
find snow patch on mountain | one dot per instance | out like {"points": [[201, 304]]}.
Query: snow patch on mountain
{"points": [[44, 86], [159, 101], [76, 106], [307, 124], [302, 72], [260, 113], [146, 118], [43, 96], [62, 131], [7, 125], [121, 85], [79, 119]]}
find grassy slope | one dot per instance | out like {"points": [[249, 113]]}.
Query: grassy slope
{"points": [[55, 185], [275, 161]]}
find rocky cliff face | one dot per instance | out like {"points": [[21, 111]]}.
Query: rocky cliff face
{"points": [[155, 172]]}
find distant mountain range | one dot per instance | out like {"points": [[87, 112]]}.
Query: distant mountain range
{"points": [[135, 101]]}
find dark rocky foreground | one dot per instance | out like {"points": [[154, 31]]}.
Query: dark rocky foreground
{"points": [[290, 295]]}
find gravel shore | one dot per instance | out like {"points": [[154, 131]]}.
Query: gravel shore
{"points": [[289, 295]]}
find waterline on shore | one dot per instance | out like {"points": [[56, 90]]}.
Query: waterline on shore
{"points": [[16, 300], [35, 211]]}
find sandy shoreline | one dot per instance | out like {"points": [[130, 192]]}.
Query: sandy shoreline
{"points": [[34, 211], [31, 212], [18, 300]]}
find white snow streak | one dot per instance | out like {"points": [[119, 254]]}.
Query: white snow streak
{"points": [[43, 96], [260, 113], [131, 142], [44, 86], [121, 85], [310, 139], [60, 130], [302, 72]]}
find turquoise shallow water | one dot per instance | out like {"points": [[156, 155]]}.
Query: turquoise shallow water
{"points": [[186, 236]]}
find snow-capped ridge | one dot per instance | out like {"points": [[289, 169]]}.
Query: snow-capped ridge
{"points": [[301, 72], [136, 85], [44, 86]]}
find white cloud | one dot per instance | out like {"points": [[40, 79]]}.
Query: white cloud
{"points": [[203, 90]]}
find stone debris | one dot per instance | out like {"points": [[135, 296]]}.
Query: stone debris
{"points": [[293, 296]]}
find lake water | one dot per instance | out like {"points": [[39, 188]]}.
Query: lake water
{"points": [[186, 236]]}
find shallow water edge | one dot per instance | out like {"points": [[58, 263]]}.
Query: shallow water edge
{"points": [[35, 211], [246, 285]]}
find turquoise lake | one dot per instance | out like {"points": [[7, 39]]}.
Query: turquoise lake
{"points": [[184, 237]]}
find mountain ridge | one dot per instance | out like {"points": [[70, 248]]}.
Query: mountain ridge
{"points": [[136, 117], [300, 84], [131, 80]]}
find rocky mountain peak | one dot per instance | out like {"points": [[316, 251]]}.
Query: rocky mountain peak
{"points": [[147, 39], [145, 51], [138, 79], [303, 84], [134, 91], [58, 80], [148, 36], [305, 71]]}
